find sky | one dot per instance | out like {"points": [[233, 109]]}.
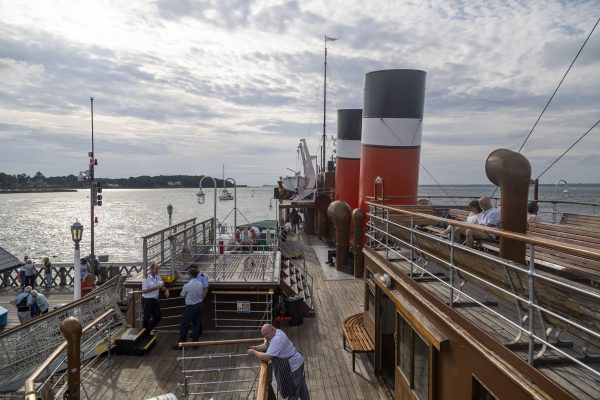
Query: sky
{"points": [[183, 87]]}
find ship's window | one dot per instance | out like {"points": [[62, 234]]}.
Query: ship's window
{"points": [[480, 392], [413, 355]]}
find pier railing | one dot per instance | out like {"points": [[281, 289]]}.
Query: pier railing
{"points": [[228, 373], [549, 308], [51, 375], [63, 273], [24, 347]]}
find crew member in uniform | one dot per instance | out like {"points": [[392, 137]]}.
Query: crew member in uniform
{"points": [[151, 286], [194, 292]]}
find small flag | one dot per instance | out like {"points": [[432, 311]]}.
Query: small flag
{"points": [[330, 39]]}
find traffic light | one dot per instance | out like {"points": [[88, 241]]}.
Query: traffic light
{"points": [[98, 191]]}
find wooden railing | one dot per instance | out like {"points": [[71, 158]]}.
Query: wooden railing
{"points": [[30, 391], [264, 382]]}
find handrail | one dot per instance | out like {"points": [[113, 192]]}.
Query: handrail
{"points": [[262, 391], [105, 287], [270, 291], [30, 392], [424, 196], [528, 238], [221, 342], [170, 228]]}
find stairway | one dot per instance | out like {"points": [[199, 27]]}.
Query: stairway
{"points": [[296, 281], [134, 342]]}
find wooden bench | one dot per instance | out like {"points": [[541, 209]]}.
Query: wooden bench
{"points": [[357, 337], [584, 221]]}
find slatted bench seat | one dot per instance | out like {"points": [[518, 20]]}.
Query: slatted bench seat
{"points": [[356, 336], [567, 265], [587, 221]]}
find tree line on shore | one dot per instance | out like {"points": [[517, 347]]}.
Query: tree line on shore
{"points": [[40, 181]]}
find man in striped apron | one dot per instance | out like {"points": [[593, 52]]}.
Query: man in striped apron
{"points": [[287, 361]]}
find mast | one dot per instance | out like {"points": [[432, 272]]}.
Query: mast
{"points": [[324, 108], [92, 183]]}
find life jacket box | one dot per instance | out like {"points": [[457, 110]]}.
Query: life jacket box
{"points": [[3, 317]]}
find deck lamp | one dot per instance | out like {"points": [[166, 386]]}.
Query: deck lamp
{"points": [[201, 197], [76, 235], [170, 212]]}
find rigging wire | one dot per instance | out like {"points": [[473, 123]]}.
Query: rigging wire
{"points": [[570, 147], [420, 163], [559, 84]]}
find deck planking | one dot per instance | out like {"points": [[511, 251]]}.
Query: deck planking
{"points": [[328, 367]]}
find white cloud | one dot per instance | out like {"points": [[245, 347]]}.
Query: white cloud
{"points": [[182, 87]]}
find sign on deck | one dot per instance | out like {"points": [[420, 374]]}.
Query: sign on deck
{"points": [[243, 307]]}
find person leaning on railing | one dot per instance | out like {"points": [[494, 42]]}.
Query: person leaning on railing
{"points": [[287, 361]]}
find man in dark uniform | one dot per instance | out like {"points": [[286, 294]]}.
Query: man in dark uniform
{"points": [[194, 292]]}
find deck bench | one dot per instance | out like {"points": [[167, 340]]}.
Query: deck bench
{"points": [[584, 221], [357, 338]]}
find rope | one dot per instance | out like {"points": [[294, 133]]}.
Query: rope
{"points": [[560, 83], [570, 147], [420, 164]]}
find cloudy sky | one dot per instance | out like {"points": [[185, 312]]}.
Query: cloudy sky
{"points": [[182, 87]]}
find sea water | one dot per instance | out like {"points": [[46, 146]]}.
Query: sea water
{"points": [[38, 224]]}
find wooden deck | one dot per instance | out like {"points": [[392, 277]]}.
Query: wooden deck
{"points": [[328, 367]]}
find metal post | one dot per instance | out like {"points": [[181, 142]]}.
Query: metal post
{"points": [[530, 288], [71, 330], [170, 212], [145, 258], [451, 302], [92, 182], [76, 274], [387, 233], [554, 212], [412, 250]]}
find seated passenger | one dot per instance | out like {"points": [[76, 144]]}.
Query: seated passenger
{"points": [[471, 219], [532, 210], [489, 216]]}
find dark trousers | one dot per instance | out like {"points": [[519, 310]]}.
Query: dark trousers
{"points": [[30, 280], [192, 314], [300, 385], [330, 256], [152, 314]]}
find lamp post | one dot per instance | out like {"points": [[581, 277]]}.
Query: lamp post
{"points": [[201, 197], [170, 212], [76, 235], [276, 209], [234, 204]]}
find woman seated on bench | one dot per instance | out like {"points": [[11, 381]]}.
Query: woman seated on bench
{"points": [[490, 216], [471, 219]]}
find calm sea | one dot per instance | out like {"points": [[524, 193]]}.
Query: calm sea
{"points": [[38, 224]]}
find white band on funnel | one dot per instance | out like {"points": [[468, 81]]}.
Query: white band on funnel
{"points": [[391, 132], [348, 148]]}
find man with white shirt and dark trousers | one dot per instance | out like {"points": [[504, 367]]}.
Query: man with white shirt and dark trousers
{"points": [[151, 286], [194, 293], [489, 216], [287, 361]]}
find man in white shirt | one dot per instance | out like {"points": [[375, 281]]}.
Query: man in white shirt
{"points": [[490, 217], [151, 286], [287, 361]]}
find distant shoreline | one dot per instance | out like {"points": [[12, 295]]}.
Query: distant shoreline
{"points": [[45, 190]]}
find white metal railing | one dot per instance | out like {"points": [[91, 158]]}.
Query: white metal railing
{"points": [[404, 242], [242, 308], [227, 373], [93, 346]]}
